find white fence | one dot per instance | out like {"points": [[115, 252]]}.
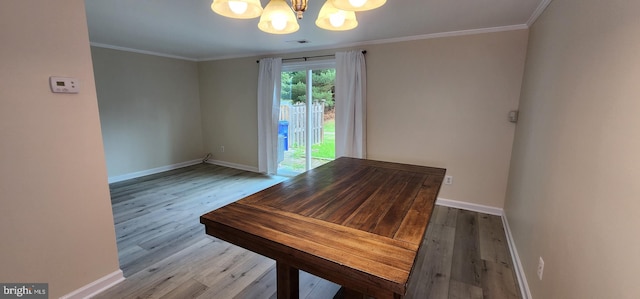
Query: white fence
{"points": [[296, 116]]}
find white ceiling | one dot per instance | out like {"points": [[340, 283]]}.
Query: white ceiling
{"points": [[189, 29]]}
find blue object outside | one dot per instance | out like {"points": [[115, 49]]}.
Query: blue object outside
{"points": [[283, 129]]}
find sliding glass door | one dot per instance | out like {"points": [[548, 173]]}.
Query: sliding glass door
{"points": [[306, 131]]}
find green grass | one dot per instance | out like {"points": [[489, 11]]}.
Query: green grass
{"points": [[326, 149], [323, 151]]}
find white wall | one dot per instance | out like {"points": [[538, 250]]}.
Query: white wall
{"points": [[439, 102], [573, 194], [56, 225], [149, 110]]}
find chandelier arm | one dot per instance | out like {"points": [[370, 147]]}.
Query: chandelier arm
{"points": [[279, 16], [299, 7]]}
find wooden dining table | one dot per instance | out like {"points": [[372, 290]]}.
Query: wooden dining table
{"points": [[358, 223]]}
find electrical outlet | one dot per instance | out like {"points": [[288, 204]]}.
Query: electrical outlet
{"points": [[540, 267], [222, 148], [448, 180]]}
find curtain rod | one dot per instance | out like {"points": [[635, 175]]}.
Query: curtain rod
{"points": [[311, 57]]}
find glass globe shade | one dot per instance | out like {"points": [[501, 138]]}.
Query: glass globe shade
{"points": [[337, 19], [278, 18], [238, 7], [334, 19], [357, 3], [278, 21]]}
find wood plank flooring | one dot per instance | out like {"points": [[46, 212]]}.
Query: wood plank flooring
{"points": [[164, 252]]}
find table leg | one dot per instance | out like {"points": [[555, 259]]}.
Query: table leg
{"points": [[288, 281], [351, 294]]}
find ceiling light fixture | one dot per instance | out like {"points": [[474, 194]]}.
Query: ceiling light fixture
{"points": [[357, 5], [237, 9], [331, 18], [278, 17], [299, 6]]}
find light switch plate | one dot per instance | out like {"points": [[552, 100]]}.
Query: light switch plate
{"points": [[64, 85]]}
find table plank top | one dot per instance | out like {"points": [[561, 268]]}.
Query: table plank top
{"points": [[356, 222]]}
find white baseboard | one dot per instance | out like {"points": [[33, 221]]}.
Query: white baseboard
{"points": [[233, 165], [137, 174], [96, 287], [469, 206], [522, 278]]}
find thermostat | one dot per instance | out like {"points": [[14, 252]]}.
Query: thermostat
{"points": [[513, 116], [64, 85]]}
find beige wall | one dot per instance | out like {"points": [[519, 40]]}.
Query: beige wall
{"points": [[573, 195], [149, 110], [56, 224], [444, 102], [440, 102], [228, 92]]}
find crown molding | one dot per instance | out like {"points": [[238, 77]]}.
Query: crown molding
{"points": [[376, 42], [536, 13], [541, 8], [106, 46], [444, 34]]}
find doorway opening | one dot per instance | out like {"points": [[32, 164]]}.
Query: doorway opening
{"points": [[306, 128]]}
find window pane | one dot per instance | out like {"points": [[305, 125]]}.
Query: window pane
{"points": [[296, 114], [323, 149]]}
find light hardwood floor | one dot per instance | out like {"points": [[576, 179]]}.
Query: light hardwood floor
{"points": [[164, 252]]}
